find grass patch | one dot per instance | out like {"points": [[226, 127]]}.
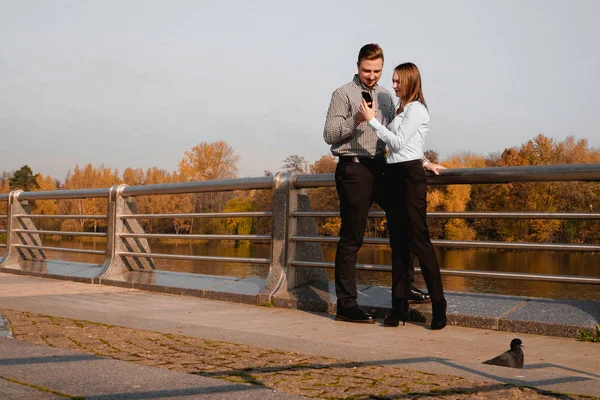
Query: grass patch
{"points": [[244, 378], [42, 389], [589, 336]]}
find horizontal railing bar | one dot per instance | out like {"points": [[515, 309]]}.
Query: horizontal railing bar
{"points": [[536, 173], [515, 215], [469, 273], [335, 239], [195, 258], [63, 233], [190, 236], [65, 194], [515, 245], [60, 249], [263, 182], [60, 216], [4, 197], [3, 216], [2, 230], [199, 215], [2, 245], [466, 244], [480, 215]]}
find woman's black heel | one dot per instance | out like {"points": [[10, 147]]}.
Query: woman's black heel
{"points": [[398, 313]]}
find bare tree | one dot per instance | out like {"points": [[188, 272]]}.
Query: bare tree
{"points": [[295, 163]]}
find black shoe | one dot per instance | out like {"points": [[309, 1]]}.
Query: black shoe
{"points": [[438, 311], [397, 314], [418, 295], [354, 314]]}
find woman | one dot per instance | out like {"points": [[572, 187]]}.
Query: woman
{"points": [[405, 178]]}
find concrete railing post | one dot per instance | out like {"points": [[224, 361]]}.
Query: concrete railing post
{"points": [[114, 225], [114, 264], [283, 275], [14, 254], [277, 279]]}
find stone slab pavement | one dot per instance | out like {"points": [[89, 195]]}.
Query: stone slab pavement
{"points": [[31, 371], [551, 363]]}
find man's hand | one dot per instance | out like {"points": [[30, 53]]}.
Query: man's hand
{"points": [[358, 117], [366, 112], [435, 168]]}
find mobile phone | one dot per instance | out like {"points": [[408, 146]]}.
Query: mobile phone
{"points": [[368, 98]]}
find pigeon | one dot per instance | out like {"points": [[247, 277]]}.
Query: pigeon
{"points": [[512, 358]]}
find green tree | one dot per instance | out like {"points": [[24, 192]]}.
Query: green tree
{"points": [[24, 179], [240, 226]]}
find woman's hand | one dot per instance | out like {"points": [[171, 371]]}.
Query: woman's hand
{"points": [[435, 168], [365, 112]]}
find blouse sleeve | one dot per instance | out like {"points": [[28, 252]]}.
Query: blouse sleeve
{"points": [[413, 116]]}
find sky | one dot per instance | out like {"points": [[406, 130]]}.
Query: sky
{"points": [[137, 83]]}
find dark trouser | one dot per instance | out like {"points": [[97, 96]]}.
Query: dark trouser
{"points": [[407, 226], [358, 185]]}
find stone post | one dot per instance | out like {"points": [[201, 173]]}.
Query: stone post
{"points": [[15, 254]]}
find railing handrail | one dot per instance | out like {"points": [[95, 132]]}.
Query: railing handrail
{"points": [[64, 194], [488, 175], [474, 215], [263, 182]]}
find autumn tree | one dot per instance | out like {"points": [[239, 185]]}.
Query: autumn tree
{"points": [[453, 198], [85, 178], [262, 200], [46, 207], [325, 198], [5, 182], [4, 188], [540, 196], [209, 161], [155, 204]]}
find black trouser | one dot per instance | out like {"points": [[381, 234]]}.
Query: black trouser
{"points": [[407, 226], [358, 185]]}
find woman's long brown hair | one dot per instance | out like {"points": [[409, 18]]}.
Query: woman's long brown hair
{"points": [[410, 85]]}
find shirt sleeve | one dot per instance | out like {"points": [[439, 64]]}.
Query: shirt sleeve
{"points": [[340, 123], [409, 126]]}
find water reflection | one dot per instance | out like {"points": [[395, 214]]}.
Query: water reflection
{"points": [[544, 262]]}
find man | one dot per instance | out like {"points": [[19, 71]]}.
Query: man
{"points": [[358, 175]]}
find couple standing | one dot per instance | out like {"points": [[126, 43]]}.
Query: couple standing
{"points": [[358, 132]]}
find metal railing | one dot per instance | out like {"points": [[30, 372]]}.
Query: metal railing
{"points": [[126, 238]]}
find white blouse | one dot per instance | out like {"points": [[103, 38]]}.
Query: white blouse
{"points": [[405, 135]]}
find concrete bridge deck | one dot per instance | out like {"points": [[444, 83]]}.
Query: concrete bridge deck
{"points": [[551, 363], [517, 314]]}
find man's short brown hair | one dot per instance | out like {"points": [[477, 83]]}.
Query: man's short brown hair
{"points": [[371, 51]]}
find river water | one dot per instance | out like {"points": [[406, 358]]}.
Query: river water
{"points": [[543, 262]]}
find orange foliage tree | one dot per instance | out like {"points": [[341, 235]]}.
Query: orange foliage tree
{"points": [[85, 178]]}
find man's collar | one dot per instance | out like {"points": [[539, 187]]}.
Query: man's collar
{"points": [[361, 84]]}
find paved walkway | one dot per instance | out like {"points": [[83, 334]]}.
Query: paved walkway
{"points": [[552, 317], [289, 350]]}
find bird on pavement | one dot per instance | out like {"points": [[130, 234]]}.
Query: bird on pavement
{"points": [[512, 358]]}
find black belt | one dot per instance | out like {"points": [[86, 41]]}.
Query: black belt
{"points": [[357, 159]]}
